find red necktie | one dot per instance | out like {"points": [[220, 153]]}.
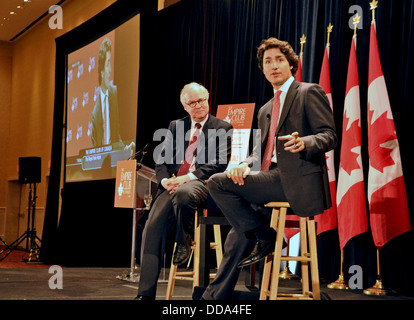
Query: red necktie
{"points": [[267, 157], [190, 152]]}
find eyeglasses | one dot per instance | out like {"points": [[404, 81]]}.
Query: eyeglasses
{"points": [[193, 104]]}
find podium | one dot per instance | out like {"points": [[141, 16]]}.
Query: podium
{"points": [[135, 187]]}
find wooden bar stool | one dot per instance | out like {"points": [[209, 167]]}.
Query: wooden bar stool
{"points": [[194, 275], [270, 281]]}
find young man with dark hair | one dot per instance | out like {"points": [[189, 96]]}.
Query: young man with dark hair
{"points": [[296, 129]]}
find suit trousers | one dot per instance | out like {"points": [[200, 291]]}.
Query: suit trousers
{"points": [[168, 212], [243, 207], [235, 201]]}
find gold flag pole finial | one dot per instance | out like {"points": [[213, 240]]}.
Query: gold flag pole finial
{"points": [[302, 42], [373, 5], [356, 20], [330, 27]]}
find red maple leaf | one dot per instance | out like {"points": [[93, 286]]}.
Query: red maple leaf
{"points": [[351, 138], [382, 130]]}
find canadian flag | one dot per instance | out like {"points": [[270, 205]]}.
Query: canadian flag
{"points": [[299, 72], [387, 198], [328, 219], [352, 214]]}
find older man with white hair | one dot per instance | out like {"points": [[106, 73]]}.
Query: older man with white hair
{"points": [[195, 147]]}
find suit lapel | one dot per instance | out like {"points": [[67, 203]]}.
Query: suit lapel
{"points": [[203, 143], [187, 130], [266, 119], [290, 97]]}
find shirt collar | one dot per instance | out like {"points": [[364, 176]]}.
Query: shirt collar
{"points": [[103, 94], [193, 123], [285, 87]]}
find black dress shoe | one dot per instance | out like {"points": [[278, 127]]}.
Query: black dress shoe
{"points": [[182, 253], [261, 249], [146, 298]]}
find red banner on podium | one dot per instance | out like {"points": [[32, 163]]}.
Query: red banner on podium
{"points": [[125, 184], [240, 116]]}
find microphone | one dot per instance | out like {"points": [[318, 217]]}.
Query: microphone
{"points": [[143, 151]]}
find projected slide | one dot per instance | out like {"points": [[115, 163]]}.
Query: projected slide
{"points": [[102, 99]]}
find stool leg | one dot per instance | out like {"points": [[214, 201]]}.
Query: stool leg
{"points": [[268, 261], [314, 257], [278, 254], [196, 265], [217, 241], [304, 254], [171, 280]]}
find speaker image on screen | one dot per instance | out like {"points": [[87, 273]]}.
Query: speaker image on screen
{"points": [[30, 169]]}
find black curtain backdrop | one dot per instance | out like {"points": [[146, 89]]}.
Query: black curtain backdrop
{"points": [[214, 42]]}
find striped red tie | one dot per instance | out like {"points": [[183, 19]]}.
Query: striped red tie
{"points": [[267, 157], [190, 152]]}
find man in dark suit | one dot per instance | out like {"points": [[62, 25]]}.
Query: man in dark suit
{"points": [[105, 115], [194, 148], [292, 165]]}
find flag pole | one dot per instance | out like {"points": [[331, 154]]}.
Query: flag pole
{"points": [[378, 288]]}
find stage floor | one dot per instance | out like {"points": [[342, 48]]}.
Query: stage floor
{"points": [[32, 283]]}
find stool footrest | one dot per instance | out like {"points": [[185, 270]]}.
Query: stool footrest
{"points": [[185, 273], [184, 278], [303, 259], [292, 296]]}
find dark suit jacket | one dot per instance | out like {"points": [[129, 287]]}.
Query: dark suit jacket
{"points": [[97, 119], [304, 175], [213, 148]]}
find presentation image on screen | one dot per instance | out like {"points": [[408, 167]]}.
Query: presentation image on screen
{"points": [[101, 104]]}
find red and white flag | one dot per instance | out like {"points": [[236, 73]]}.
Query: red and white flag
{"points": [[299, 72], [389, 215], [352, 215], [328, 219]]}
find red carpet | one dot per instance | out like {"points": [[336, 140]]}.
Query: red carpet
{"points": [[19, 259]]}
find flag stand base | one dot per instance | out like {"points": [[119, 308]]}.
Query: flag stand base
{"points": [[339, 284], [376, 290], [286, 274]]}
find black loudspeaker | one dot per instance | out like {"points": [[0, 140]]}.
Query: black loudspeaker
{"points": [[30, 170]]}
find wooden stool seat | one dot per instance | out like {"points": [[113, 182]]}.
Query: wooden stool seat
{"points": [[194, 275], [270, 280]]}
